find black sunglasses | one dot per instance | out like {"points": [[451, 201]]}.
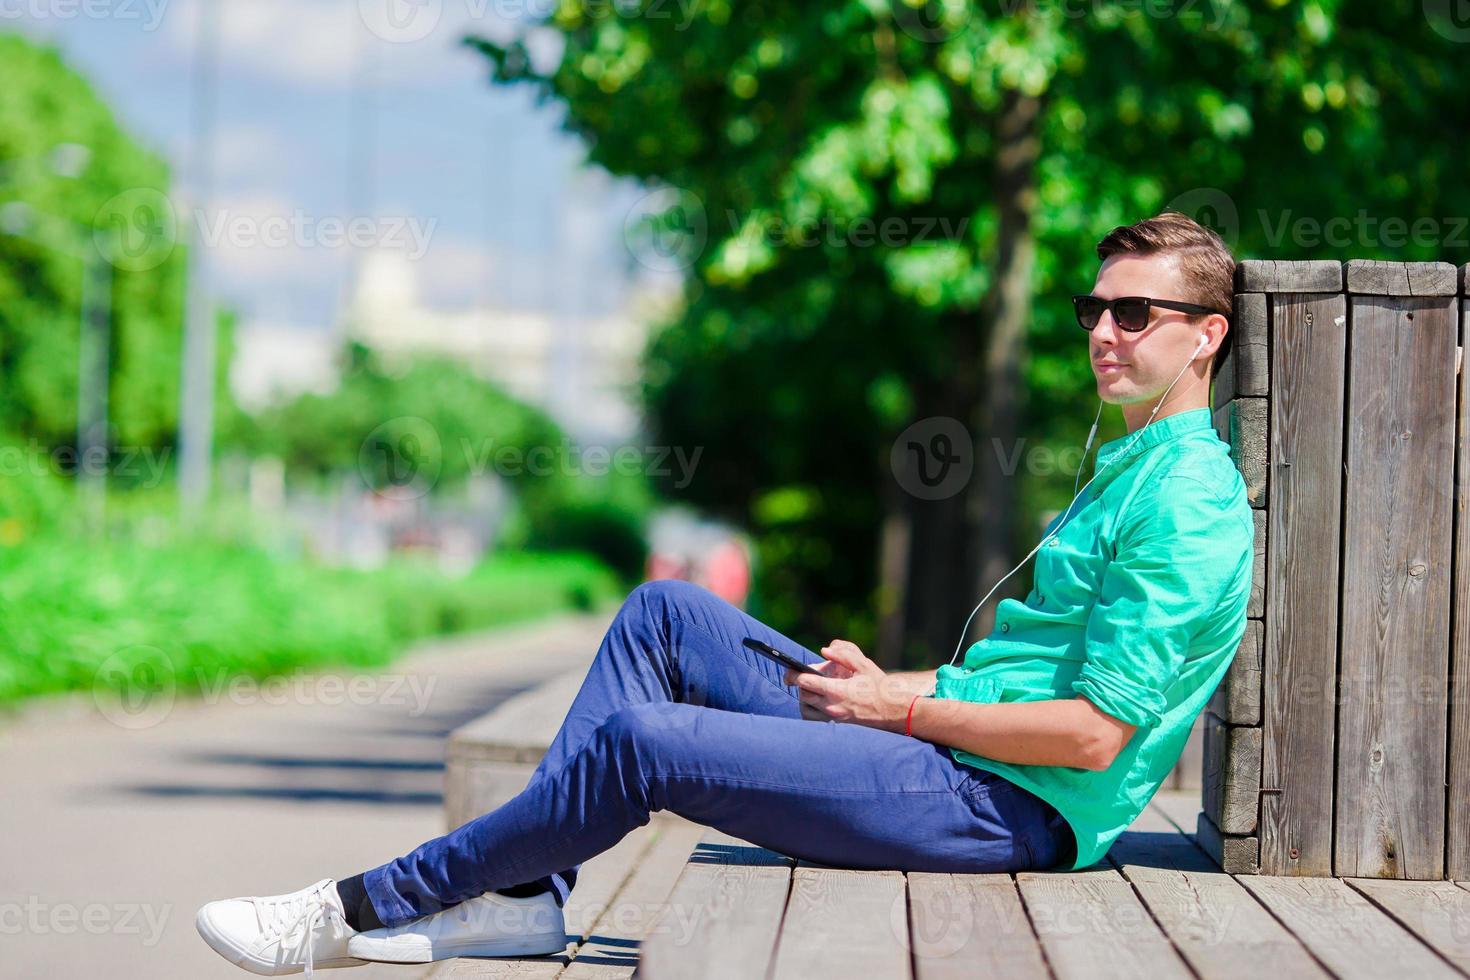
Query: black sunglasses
{"points": [[1131, 313]]}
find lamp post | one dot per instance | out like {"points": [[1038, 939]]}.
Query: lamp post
{"points": [[21, 220], [196, 386]]}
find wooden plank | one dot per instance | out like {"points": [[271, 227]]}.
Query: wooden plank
{"points": [[1236, 854], [860, 917], [1340, 927], [484, 968], [1249, 350], [1218, 926], [1238, 698], [1245, 370], [1255, 607], [1392, 693], [1092, 925], [1242, 423], [612, 948], [1435, 911], [601, 878], [1380, 278], [1457, 847], [971, 925], [1232, 776], [1299, 655], [1233, 853], [723, 916], [1273, 276]]}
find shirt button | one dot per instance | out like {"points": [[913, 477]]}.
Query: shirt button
{"points": [[1041, 600], [1005, 627], [1052, 543]]}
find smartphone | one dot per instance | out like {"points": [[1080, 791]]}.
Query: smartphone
{"points": [[785, 660]]}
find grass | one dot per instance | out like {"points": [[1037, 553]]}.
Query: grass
{"points": [[77, 615]]}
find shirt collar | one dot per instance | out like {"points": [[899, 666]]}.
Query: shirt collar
{"points": [[1126, 447]]}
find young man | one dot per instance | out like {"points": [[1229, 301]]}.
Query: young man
{"points": [[1035, 753]]}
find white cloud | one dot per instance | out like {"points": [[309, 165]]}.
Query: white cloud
{"points": [[299, 41], [258, 242], [249, 154], [336, 43]]}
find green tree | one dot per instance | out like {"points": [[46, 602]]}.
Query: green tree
{"points": [[1017, 134], [429, 424], [72, 181]]}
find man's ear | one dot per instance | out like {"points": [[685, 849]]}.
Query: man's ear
{"points": [[1218, 327]]}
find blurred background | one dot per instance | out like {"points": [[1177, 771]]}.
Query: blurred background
{"points": [[328, 327]]}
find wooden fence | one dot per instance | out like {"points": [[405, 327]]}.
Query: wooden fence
{"points": [[1339, 742]]}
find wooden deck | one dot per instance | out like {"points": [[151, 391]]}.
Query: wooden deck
{"points": [[677, 900], [674, 899]]}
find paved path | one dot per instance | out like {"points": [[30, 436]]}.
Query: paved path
{"points": [[116, 829]]}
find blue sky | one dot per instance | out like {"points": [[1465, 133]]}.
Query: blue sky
{"points": [[486, 177]]}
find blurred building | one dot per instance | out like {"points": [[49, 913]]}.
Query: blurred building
{"points": [[582, 369], [275, 361]]}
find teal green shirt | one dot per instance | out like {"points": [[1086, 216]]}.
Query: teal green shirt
{"points": [[1138, 605]]}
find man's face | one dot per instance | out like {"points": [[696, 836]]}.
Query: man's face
{"points": [[1135, 367]]}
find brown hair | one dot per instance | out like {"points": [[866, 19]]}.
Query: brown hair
{"points": [[1206, 267]]}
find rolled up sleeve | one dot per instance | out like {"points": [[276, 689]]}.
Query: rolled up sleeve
{"points": [[1169, 570]]}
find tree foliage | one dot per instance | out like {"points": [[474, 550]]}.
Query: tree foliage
{"points": [[795, 363], [1264, 118], [73, 181]]}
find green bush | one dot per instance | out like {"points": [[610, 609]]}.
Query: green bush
{"points": [[80, 613], [604, 516]]}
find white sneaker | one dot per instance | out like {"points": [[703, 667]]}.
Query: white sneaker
{"points": [[491, 924], [279, 934]]}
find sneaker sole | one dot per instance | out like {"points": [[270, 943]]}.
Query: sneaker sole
{"points": [[386, 951]]}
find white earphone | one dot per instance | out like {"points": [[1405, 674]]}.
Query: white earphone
{"points": [[1076, 493]]}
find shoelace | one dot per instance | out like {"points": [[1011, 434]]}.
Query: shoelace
{"points": [[282, 923]]}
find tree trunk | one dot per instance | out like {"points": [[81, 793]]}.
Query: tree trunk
{"points": [[1007, 310], [960, 545], [935, 578]]}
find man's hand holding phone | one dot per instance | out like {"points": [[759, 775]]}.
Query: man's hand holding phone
{"points": [[850, 688]]}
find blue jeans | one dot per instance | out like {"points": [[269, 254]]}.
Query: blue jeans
{"points": [[677, 714]]}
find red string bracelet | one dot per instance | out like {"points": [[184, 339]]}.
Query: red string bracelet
{"points": [[908, 722]]}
